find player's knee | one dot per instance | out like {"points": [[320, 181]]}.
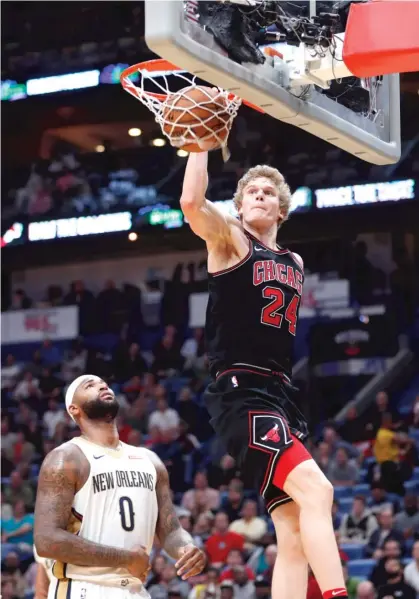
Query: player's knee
{"points": [[309, 487]]}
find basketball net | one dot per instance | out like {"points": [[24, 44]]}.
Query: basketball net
{"points": [[153, 91]]}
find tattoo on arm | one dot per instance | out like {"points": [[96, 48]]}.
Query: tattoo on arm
{"points": [[57, 486], [169, 531]]}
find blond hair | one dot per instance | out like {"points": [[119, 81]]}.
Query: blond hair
{"points": [[273, 174]]}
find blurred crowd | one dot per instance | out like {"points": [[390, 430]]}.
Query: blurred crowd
{"points": [[370, 458]]}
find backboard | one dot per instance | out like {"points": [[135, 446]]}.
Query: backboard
{"points": [[293, 83]]}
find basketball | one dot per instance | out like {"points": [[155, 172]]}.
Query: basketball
{"points": [[196, 119]]}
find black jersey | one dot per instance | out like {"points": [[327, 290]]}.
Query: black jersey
{"points": [[253, 310]]}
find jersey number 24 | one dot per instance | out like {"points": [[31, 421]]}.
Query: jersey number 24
{"points": [[274, 313]]}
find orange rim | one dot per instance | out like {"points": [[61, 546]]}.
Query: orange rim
{"points": [[161, 64]]}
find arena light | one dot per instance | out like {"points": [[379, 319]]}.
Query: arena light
{"points": [[60, 83], [133, 236], [100, 148], [158, 142], [134, 132], [182, 153]]}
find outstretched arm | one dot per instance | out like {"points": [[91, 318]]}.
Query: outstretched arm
{"points": [[176, 541], [57, 485], [205, 219]]}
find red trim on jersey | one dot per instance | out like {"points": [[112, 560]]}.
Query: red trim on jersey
{"points": [[292, 457], [226, 270], [278, 251]]}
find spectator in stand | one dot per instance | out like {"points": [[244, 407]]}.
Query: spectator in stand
{"points": [[379, 575], [84, 299], [165, 419], [11, 574], [222, 541], [365, 590], [18, 490], [351, 429], [235, 558], [25, 416], [8, 438], [168, 582], [10, 372], [411, 572], [227, 590], [396, 586], [383, 533], [209, 497], [386, 448], [262, 563], [250, 525], [157, 566], [351, 583], [22, 450], [342, 472], [333, 440], [407, 521], [50, 354], [124, 429], [7, 466], [6, 508], [48, 382], [53, 416], [193, 350], [358, 526], [129, 363], [188, 409], [35, 366], [313, 589], [137, 414], [376, 412], [20, 301], [209, 588], [232, 505], [220, 477], [379, 499], [110, 306], [243, 587], [322, 456], [74, 363], [167, 358], [18, 530], [203, 525], [28, 388]]}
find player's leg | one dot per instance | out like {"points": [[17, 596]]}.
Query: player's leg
{"points": [[306, 484], [290, 573]]}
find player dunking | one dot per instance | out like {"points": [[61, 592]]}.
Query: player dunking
{"points": [[254, 294], [100, 504]]}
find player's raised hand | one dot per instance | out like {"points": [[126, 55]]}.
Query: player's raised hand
{"points": [[139, 566], [191, 563]]}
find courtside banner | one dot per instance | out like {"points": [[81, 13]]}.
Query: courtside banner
{"points": [[28, 326]]}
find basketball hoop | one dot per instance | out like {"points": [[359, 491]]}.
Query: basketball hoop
{"points": [[156, 73]]}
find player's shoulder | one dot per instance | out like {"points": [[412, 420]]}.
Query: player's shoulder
{"points": [[297, 258], [67, 457], [142, 452]]}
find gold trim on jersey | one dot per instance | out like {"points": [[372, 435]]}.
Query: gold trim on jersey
{"points": [[73, 526], [63, 589]]}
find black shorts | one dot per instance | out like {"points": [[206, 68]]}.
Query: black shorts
{"points": [[255, 417]]}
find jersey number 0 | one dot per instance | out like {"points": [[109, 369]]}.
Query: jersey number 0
{"points": [[126, 511], [272, 313]]}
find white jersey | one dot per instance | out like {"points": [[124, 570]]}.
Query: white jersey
{"points": [[117, 506]]}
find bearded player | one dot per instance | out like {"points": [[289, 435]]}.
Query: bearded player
{"points": [[100, 504], [255, 290]]}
